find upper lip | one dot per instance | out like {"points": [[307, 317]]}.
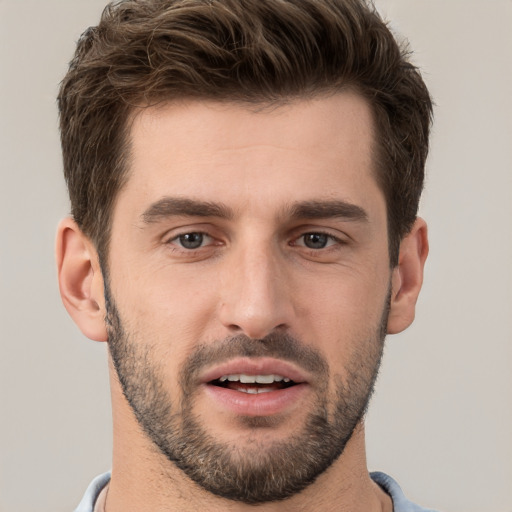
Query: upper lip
{"points": [[255, 366]]}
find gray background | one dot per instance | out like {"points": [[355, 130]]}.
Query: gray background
{"points": [[441, 420]]}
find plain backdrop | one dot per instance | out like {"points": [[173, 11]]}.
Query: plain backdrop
{"points": [[441, 419]]}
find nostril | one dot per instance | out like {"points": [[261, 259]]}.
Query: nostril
{"points": [[257, 329]]}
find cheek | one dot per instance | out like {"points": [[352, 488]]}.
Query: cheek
{"points": [[165, 309], [346, 313]]}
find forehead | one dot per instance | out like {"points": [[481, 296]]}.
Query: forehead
{"points": [[319, 148]]}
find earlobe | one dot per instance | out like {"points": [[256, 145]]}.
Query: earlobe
{"points": [[80, 280], [407, 277]]}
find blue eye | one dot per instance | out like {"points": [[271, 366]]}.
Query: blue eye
{"points": [[191, 240]]}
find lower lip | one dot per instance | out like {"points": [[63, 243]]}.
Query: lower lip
{"points": [[262, 404]]}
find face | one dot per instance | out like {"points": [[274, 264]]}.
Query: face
{"points": [[248, 288]]}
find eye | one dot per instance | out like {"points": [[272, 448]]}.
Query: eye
{"points": [[316, 240], [192, 241]]}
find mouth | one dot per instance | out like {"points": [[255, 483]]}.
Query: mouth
{"points": [[256, 387], [253, 384]]}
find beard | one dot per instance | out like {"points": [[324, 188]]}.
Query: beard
{"points": [[255, 471]]}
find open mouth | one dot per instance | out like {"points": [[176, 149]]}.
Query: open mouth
{"points": [[253, 384], [256, 387]]}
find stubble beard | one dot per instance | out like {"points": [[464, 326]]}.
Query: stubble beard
{"points": [[258, 471]]}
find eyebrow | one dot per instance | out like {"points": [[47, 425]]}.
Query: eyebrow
{"points": [[186, 207], [328, 210]]}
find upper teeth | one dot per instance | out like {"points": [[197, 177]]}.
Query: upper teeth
{"points": [[248, 379]]}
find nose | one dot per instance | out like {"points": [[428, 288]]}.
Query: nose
{"points": [[256, 294]]}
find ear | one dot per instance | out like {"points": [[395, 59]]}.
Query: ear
{"points": [[80, 280], [407, 278]]}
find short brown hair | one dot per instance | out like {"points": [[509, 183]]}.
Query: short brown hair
{"points": [[257, 51]]}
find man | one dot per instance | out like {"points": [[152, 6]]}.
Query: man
{"points": [[244, 179]]}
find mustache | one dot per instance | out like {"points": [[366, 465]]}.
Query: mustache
{"points": [[276, 345]]}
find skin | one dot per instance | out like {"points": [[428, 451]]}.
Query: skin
{"points": [[254, 275]]}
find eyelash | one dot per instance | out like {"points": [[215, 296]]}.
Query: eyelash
{"points": [[330, 238], [188, 233], [331, 241]]}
